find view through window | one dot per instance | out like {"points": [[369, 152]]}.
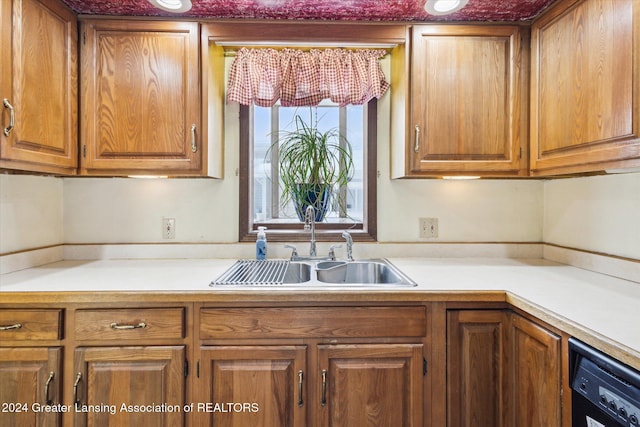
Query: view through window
{"points": [[269, 123]]}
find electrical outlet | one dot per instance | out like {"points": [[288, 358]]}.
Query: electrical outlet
{"points": [[168, 228], [428, 227]]}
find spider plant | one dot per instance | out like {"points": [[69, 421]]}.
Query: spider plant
{"points": [[313, 166]]}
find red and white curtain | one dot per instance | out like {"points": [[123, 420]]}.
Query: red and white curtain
{"points": [[304, 78]]}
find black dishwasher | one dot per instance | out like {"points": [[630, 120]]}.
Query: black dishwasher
{"points": [[604, 391]]}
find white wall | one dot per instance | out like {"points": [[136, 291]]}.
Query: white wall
{"points": [[31, 212], [128, 210], [131, 210], [467, 211], [599, 213]]}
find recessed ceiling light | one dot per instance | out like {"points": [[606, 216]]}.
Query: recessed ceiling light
{"points": [[444, 7], [175, 6]]}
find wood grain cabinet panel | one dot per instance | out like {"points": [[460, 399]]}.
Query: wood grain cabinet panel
{"points": [[141, 98], [42, 324], [312, 322], [585, 98], [130, 324], [30, 377], [370, 384], [38, 80], [269, 382], [477, 349], [320, 366], [536, 377], [109, 377], [466, 101], [502, 370]]}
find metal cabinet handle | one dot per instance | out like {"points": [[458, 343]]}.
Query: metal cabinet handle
{"points": [[76, 401], [12, 117], [9, 327], [300, 379], [416, 148], [323, 399], [194, 147], [116, 326], [47, 399]]}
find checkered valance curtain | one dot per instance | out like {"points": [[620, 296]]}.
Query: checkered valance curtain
{"points": [[303, 78]]}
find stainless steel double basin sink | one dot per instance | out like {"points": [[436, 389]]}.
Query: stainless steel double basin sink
{"points": [[320, 273]]}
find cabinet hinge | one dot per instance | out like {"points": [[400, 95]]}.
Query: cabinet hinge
{"points": [[84, 150], [84, 37], [520, 152], [186, 368], [424, 366], [198, 369]]}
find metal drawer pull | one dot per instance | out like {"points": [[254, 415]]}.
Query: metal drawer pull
{"points": [[12, 117], [323, 400], [140, 325], [48, 400], [76, 402], [9, 327], [194, 147], [300, 379], [417, 146]]}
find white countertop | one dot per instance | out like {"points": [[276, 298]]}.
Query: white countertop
{"points": [[595, 307]]}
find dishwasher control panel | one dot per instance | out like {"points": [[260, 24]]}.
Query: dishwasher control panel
{"points": [[611, 387]]}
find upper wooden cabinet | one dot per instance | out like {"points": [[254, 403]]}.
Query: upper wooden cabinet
{"points": [[38, 86], [140, 94], [466, 101], [585, 92]]}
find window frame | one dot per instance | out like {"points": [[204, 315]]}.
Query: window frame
{"points": [[294, 232]]}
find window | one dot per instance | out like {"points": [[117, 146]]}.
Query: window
{"points": [[260, 203]]}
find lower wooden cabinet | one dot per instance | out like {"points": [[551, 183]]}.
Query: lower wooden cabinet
{"points": [[31, 360], [30, 382], [502, 370], [536, 374], [278, 366], [129, 386], [370, 385], [253, 386], [312, 366], [477, 378]]}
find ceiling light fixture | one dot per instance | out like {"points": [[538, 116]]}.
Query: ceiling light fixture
{"points": [[175, 6], [444, 7]]}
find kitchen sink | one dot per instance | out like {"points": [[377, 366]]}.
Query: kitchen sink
{"points": [[373, 272], [322, 273]]}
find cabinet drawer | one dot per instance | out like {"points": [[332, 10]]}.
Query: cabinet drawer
{"points": [[30, 324], [129, 324], [312, 322]]}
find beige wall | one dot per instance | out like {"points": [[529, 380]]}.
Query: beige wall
{"points": [[31, 212], [599, 213]]}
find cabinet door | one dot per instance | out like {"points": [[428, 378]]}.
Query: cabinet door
{"points": [[136, 377], [141, 109], [38, 86], [536, 375], [370, 385], [265, 386], [466, 100], [585, 97], [477, 375], [30, 378]]}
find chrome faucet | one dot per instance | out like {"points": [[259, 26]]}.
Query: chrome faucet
{"points": [[346, 236], [310, 223]]}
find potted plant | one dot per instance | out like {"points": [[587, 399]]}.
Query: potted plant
{"points": [[313, 165]]}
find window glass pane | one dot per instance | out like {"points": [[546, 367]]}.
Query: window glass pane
{"points": [[266, 192]]}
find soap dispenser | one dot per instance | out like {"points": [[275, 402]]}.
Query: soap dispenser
{"points": [[261, 244]]}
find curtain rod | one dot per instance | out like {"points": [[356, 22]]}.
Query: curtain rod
{"points": [[230, 49]]}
